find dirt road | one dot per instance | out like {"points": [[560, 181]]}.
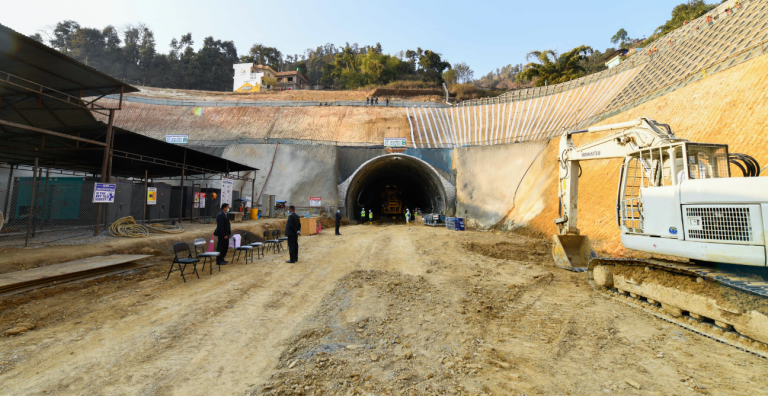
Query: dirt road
{"points": [[379, 310]]}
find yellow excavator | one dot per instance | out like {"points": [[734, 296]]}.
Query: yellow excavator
{"points": [[392, 203], [705, 231]]}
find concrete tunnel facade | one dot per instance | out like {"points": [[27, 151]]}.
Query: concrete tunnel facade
{"points": [[420, 182]]}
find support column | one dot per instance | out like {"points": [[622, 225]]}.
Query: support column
{"points": [[34, 205], [183, 168], [253, 193], [31, 213], [144, 200], [104, 164], [46, 197], [7, 207]]}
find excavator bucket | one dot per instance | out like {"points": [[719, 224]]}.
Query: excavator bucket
{"points": [[572, 252]]}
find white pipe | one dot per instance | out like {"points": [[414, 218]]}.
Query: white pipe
{"points": [[411, 125]]}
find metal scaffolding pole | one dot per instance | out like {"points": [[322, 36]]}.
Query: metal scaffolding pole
{"points": [[144, 200], [253, 194], [31, 213], [104, 165], [183, 168], [34, 206], [8, 194]]}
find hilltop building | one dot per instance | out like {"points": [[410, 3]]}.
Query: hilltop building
{"points": [[292, 80], [616, 58], [249, 77]]}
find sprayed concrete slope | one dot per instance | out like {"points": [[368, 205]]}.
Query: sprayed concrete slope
{"points": [[730, 107], [221, 126]]}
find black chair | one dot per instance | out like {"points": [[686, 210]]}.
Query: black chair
{"points": [[206, 256], [244, 248], [270, 242], [180, 248], [258, 247], [276, 237], [280, 238]]}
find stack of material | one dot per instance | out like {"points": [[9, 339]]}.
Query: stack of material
{"points": [[454, 223], [20, 281], [308, 226], [434, 219], [127, 227]]}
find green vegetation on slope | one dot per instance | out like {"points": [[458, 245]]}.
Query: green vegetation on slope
{"points": [[131, 54], [551, 67]]}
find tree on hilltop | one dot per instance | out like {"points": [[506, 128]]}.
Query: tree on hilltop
{"points": [[680, 14], [432, 67], [552, 68]]}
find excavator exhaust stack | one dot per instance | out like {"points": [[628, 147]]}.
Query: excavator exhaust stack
{"points": [[572, 252]]}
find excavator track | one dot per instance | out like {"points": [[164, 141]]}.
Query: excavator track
{"points": [[718, 303]]}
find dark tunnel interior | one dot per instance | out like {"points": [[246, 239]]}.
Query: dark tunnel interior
{"points": [[390, 184]]}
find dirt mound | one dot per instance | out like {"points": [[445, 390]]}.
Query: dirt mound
{"points": [[517, 251], [375, 350]]}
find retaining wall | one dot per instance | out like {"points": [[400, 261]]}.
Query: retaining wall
{"points": [[729, 107]]}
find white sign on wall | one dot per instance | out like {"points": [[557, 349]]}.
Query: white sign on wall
{"points": [[151, 195], [103, 193], [314, 201], [226, 190], [177, 139], [395, 142]]}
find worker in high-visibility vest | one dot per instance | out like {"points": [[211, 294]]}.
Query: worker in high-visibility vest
{"points": [[370, 216], [408, 217], [362, 216]]}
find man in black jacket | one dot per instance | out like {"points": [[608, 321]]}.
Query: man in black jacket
{"points": [[338, 221], [292, 231], [223, 231]]}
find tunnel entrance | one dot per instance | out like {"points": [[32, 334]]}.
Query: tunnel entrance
{"points": [[390, 184]]}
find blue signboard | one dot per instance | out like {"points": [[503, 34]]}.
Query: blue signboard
{"points": [[103, 193]]}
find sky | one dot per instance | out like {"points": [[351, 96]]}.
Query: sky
{"points": [[484, 34]]}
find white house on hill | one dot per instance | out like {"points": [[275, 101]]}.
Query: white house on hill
{"points": [[248, 77]]}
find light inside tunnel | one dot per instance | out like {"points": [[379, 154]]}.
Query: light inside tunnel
{"points": [[389, 184]]}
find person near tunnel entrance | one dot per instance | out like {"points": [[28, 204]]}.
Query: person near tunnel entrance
{"points": [[338, 221], [362, 216], [408, 217], [292, 231], [391, 183], [370, 216]]}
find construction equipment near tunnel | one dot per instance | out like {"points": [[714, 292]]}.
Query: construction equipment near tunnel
{"points": [[676, 198], [392, 202]]}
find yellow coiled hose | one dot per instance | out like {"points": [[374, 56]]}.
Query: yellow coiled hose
{"points": [[127, 227]]}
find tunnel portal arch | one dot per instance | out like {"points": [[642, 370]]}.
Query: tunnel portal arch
{"points": [[423, 185]]}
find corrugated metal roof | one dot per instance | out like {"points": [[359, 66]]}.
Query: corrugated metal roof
{"points": [[27, 59], [33, 61]]}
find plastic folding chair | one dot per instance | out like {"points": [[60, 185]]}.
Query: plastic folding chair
{"points": [[180, 248], [259, 248], [276, 237], [280, 238], [208, 257], [245, 248], [269, 241]]}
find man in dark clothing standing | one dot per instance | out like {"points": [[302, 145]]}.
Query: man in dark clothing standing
{"points": [[338, 221], [223, 231], [292, 231]]}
